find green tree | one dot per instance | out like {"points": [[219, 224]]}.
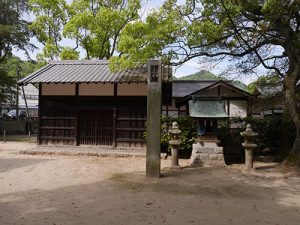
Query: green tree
{"points": [[263, 81], [14, 33], [50, 17], [96, 25], [249, 33], [8, 68]]}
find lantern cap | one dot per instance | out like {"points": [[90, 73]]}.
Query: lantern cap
{"points": [[248, 132]]}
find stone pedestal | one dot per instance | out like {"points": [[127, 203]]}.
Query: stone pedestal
{"points": [[248, 156], [248, 134], [174, 143], [174, 156], [207, 154]]}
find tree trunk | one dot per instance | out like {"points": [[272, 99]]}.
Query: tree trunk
{"points": [[292, 104]]}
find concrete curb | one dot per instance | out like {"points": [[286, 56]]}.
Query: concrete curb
{"points": [[110, 153]]}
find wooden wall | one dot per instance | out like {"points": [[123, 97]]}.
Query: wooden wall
{"points": [[117, 121]]}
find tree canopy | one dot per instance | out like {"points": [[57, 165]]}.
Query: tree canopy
{"points": [[247, 33], [14, 32], [9, 76], [251, 33], [95, 26], [50, 16]]}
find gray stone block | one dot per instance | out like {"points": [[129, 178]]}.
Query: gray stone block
{"points": [[218, 150], [221, 157], [205, 155], [201, 149], [213, 157]]}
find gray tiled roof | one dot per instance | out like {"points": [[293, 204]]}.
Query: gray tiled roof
{"points": [[83, 71], [182, 88]]}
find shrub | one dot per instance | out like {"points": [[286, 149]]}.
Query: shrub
{"points": [[188, 127], [275, 134]]}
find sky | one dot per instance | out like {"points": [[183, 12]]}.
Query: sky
{"points": [[187, 68]]}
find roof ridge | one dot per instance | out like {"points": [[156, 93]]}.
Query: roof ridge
{"points": [[80, 62], [200, 81]]}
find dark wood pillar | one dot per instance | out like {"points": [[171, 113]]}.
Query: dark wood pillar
{"points": [[250, 107], [76, 115], [39, 114], [114, 134], [228, 112]]}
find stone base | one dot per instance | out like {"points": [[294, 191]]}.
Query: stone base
{"points": [[248, 170], [207, 154], [174, 167]]}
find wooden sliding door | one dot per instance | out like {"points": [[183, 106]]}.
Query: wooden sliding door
{"points": [[95, 127]]}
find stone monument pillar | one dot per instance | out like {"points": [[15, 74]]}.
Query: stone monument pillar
{"points": [[153, 119], [249, 146], [174, 142]]}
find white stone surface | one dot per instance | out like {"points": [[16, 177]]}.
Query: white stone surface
{"points": [[204, 155]]}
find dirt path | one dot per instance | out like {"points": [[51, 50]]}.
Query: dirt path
{"points": [[40, 190]]}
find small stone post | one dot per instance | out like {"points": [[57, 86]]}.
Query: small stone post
{"points": [[174, 142], [249, 146]]}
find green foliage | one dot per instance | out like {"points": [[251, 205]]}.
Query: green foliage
{"points": [[14, 31], [201, 75], [206, 75], [243, 32], [188, 127], [50, 16], [8, 76], [97, 25], [69, 53], [262, 81], [275, 134], [187, 138], [6, 83], [140, 41], [240, 85], [93, 25]]}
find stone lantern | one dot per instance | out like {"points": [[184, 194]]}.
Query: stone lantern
{"points": [[249, 146], [174, 142]]}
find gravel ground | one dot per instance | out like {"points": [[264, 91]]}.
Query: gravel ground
{"points": [[61, 190]]}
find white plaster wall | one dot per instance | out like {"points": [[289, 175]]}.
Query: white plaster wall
{"points": [[96, 90], [238, 108], [58, 89], [133, 89], [32, 96]]}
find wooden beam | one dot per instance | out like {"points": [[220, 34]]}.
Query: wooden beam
{"points": [[39, 115], [131, 140], [114, 130], [228, 111], [228, 107], [76, 137]]}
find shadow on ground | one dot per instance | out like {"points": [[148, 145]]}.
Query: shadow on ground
{"points": [[7, 164], [188, 196]]}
